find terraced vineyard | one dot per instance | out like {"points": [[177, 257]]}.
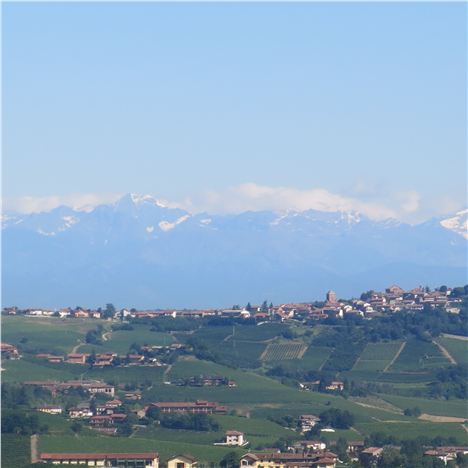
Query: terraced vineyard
{"points": [[376, 356], [283, 351], [419, 355]]}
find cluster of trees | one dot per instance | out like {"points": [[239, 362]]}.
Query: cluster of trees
{"points": [[336, 418], [451, 382], [95, 336], [191, 422], [21, 423]]}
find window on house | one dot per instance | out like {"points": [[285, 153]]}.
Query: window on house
{"points": [[180, 465]]}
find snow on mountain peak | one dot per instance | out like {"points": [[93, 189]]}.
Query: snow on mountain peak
{"points": [[167, 226], [139, 199], [458, 223]]}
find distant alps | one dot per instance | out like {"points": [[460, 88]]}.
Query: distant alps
{"points": [[139, 252]]}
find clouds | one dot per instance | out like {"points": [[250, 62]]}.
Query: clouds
{"points": [[254, 197], [78, 201], [378, 204]]}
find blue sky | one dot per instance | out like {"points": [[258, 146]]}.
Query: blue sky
{"points": [[237, 106]]}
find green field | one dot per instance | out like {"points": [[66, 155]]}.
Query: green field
{"points": [[455, 408], [40, 334], [100, 443], [458, 349], [418, 355], [411, 430], [259, 432], [16, 451], [376, 356], [34, 369], [121, 340]]}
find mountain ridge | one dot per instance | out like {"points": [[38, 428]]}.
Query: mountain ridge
{"points": [[139, 251]]}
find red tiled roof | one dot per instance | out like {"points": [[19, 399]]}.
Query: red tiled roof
{"points": [[94, 456]]}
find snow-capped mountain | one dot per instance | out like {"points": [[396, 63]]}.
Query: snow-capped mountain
{"points": [[141, 252], [458, 223]]}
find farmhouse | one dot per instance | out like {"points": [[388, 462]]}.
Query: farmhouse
{"points": [[8, 350], [317, 459], [235, 438], [307, 422], [446, 454], [49, 409], [182, 461], [77, 358], [122, 460]]}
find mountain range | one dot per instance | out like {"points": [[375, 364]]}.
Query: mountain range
{"points": [[138, 252]]}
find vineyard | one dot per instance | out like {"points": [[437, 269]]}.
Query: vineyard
{"points": [[283, 352]]}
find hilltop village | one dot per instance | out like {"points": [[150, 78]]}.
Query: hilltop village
{"points": [[370, 304], [340, 382]]}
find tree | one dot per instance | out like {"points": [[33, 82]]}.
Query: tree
{"points": [[76, 427], [248, 307], [230, 460], [109, 311], [264, 306], [391, 458]]}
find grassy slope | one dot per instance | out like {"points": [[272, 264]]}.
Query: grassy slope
{"points": [[456, 408], [101, 443], [45, 334], [419, 355], [16, 451], [457, 348]]}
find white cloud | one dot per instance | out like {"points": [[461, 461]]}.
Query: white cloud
{"points": [[78, 201], [256, 197]]}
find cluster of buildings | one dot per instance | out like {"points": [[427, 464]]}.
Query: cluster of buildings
{"points": [[393, 299], [205, 381], [335, 386], [308, 459], [93, 387], [102, 359]]}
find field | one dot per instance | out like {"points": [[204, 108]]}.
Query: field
{"points": [[283, 351], [247, 352], [121, 340], [16, 451], [458, 349], [100, 443], [376, 356], [455, 407], [419, 355], [40, 334]]}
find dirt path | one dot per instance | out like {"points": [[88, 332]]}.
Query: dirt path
{"points": [[34, 451], [106, 336], [445, 352], [455, 337], [76, 347], [166, 371], [440, 419], [390, 364]]}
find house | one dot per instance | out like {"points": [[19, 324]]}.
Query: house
{"points": [[317, 459], [80, 314], [199, 406], [76, 358], [307, 422], [308, 445], [79, 412], [143, 459], [10, 351], [49, 409], [371, 454], [446, 454], [182, 461], [335, 385], [133, 396], [235, 438]]}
